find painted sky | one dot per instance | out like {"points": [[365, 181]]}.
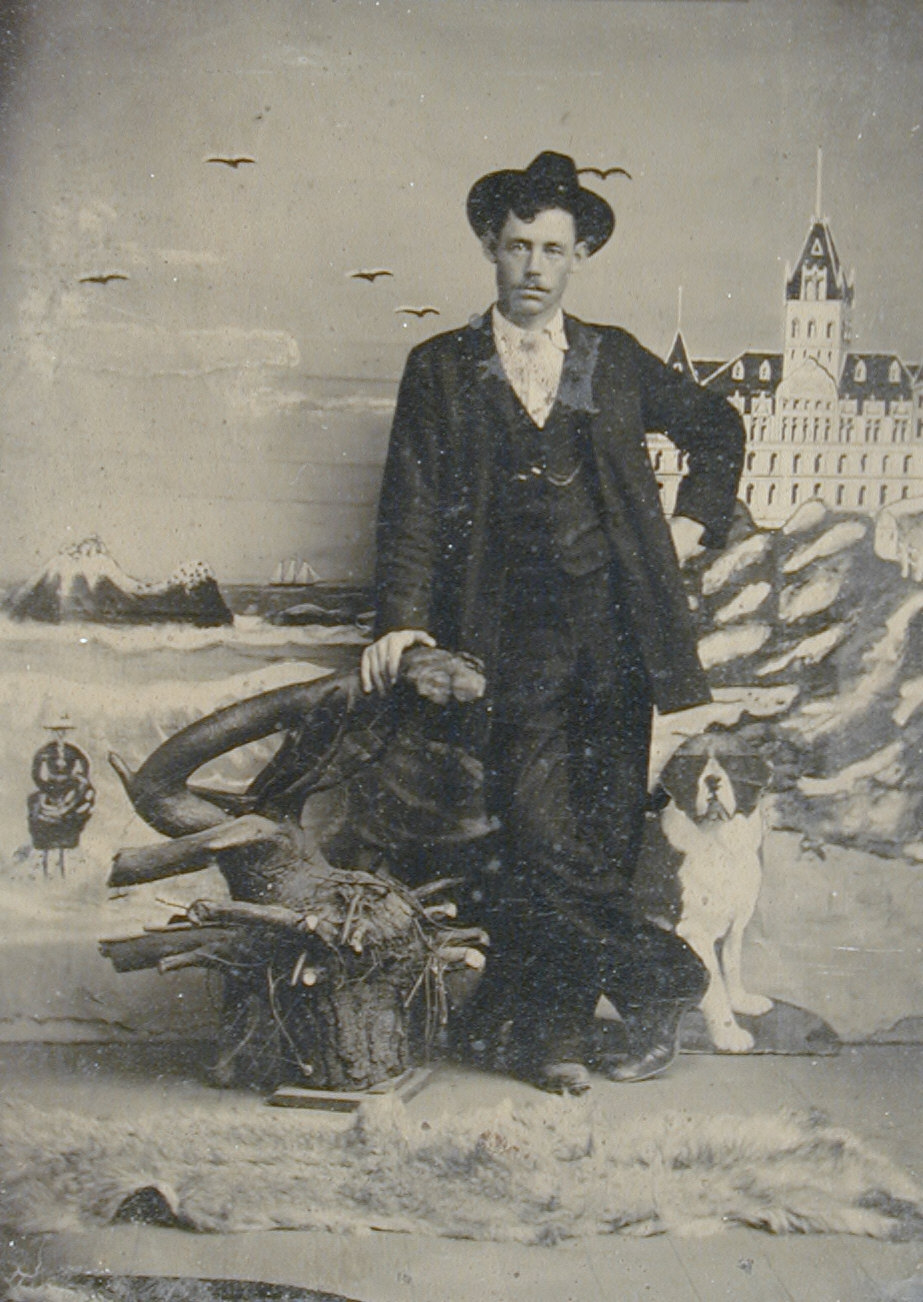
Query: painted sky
{"points": [[229, 399]]}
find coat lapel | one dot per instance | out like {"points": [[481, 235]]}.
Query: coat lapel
{"points": [[575, 392]]}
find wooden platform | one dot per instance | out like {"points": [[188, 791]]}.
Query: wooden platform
{"points": [[403, 1087]]}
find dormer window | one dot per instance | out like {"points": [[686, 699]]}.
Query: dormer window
{"points": [[678, 366], [859, 374], [765, 371], [737, 373], [894, 373]]}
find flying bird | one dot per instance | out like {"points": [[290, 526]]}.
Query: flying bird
{"points": [[419, 311], [234, 160], [604, 172], [370, 276], [101, 277]]}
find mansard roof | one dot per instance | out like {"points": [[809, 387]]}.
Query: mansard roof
{"points": [[678, 357], [748, 374], [819, 251], [877, 384], [706, 369]]}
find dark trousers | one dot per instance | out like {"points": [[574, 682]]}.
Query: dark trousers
{"points": [[567, 774]]}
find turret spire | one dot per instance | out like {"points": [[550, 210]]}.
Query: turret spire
{"points": [[818, 205]]}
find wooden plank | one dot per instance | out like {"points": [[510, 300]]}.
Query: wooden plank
{"points": [[403, 1087]]}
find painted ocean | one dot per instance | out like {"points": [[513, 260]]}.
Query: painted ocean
{"points": [[126, 689]]}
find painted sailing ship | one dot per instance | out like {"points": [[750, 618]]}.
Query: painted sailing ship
{"points": [[294, 572]]}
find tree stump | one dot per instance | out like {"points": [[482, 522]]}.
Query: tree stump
{"points": [[348, 1032], [324, 955]]}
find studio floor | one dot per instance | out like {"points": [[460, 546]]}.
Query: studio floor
{"points": [[873, 1091]]}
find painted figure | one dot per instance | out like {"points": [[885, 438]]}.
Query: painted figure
{"points": [[60, 806], [520, 522]]}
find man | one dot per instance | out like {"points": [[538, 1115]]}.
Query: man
{"points": [[520, 521]]}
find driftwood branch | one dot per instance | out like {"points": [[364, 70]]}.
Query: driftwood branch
{"points": [[151, 863], [135, 953]]}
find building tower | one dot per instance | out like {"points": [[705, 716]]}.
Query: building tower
{"points": [[818, 299]]}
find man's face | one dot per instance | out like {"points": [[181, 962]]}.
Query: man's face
{"points": [[534, 260]]}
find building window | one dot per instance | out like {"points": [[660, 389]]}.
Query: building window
{"points": [[816, 490], [829, 329], [772, 462], [818, 462], [796, 328], [658, 460], [860, 499], [748, 496], [839, 494], [894, 373], [751, 457], [883, 494], [906, 465], [863, 463], [905, 493], [794, 494], [812, 329], [841, 464], [859, 373], [796, 463], [884, 464], [765, 370], [771, 495], [737, 373], [784, 427]]}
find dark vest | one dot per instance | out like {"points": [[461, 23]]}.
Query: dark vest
{"points": [[552, 514]]}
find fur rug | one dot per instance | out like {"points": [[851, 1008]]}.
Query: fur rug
{"points": [[535, 1173]]}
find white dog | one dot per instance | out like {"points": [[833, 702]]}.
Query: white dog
{"points": [[712, 820]]}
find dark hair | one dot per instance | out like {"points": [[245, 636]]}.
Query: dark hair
{"points": [[527, 207]]}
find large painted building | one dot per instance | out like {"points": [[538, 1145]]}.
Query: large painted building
{"points": [[822, 421]]}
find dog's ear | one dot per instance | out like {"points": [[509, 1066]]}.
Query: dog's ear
{"points": [[657, 799], [680, 778], [750, 776]]}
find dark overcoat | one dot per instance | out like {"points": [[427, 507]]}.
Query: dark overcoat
{"points": [[440, 565]]}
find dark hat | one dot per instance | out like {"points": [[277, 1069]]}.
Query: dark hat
{"points": [[550, 181]]}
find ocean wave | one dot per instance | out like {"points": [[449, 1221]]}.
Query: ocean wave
{"points": [[247, 631], [27, 699]]}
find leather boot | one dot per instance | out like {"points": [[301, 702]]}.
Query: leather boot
{"points": [[653, 1032]]}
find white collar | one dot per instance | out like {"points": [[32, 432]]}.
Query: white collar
{"points": [[513, 335]]}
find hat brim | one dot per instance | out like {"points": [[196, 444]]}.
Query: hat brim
{"points": [[498, 193]]}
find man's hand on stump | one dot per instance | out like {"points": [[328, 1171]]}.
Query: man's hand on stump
{"points": [[381, 661]]}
